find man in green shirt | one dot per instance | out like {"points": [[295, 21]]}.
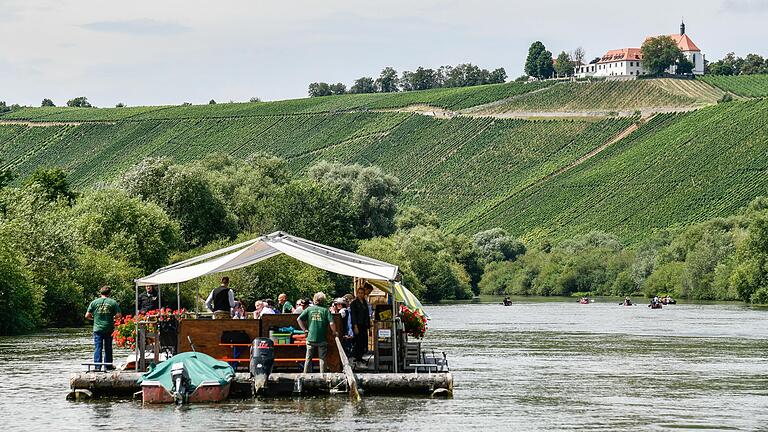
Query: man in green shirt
{"points": [[103, 311], [285, 305], [318, 318]]}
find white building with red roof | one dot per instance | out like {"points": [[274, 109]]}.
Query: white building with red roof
{"points": [[629, 61]]}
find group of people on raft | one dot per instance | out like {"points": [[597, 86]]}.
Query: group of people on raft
{"points": [[315, 317]]}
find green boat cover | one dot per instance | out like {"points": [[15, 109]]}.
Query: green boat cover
{"points": [[200, 367]]}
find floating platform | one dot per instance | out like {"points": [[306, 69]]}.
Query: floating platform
{"points": [[87, 385]]}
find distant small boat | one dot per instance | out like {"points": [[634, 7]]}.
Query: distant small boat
{"points": [[655, 305], [584, 301]]}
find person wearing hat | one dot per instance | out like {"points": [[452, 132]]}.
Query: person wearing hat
{"points": [[341, 307]]}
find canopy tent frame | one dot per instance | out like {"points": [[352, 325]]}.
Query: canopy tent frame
{"points": [[379, 273]]}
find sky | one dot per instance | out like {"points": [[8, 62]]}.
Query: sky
{"points": [[170, 51]]}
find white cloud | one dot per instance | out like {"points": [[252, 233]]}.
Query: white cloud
{"points": [[139, 26]]}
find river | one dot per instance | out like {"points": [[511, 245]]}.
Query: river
{"points": [[536, 365]]}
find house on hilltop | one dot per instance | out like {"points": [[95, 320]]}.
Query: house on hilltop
{"points": [[629, 61]]}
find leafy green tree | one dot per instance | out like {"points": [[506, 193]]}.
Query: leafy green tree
{"points": [[684, 66], [247, 187], [754, 64], [79, 102], [186, 194], [254, 99], [497, 76], [667, 279], [338, 89], [211, 102], [363, 85], [659, 53], [317, 212], [6, 176], [429, 267], [120, 105], [539, 61], [388, 81], [421, 79], [410, 217], [96, 268], [47, 103], [319, 89], [53, 183], [564, 65], [371, 192], [497, 245], [20, 298], [112, 221]]}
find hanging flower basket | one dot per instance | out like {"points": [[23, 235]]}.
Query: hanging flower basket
{"points": [[124, 334], [414, 322]]}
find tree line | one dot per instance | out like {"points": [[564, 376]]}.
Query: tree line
{"points": [[720, 259], [462, 75], [752, 64], [59, 245]]}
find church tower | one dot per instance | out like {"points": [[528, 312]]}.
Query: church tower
{"points": [[682, 28]]}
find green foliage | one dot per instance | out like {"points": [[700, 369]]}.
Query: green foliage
{"points": [[539, 61], [20, 299], [497, 245], [363, 85], [564, 65], [6, 175], [95, 268], [319, 89], [186, 195], [52, 183], [47, 103], [371, 192], [247, 188], [428, 264], [79, 102], [410, 217], [316, 212], [684, 66], [659, 53], [388, 81], [119, 225]]}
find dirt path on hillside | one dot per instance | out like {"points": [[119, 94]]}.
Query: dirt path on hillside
{"points": [[43, 123], [644, 113]]}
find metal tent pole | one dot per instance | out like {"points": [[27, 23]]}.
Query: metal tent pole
{"points": [[178, 297], [394, 328], [136, 326]]}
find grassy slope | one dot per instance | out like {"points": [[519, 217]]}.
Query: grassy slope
{"points": [[448, 98], [613, 96], [677, 169], [474, 172], [742, 85]]}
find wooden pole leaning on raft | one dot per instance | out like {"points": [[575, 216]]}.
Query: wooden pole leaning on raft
{"points": [[351, 380]]}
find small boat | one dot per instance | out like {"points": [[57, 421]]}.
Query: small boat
{"points": [[584, 301], [189, 377], [655, 305]]}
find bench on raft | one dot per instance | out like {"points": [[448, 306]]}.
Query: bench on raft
{"points": [[99, 367]]}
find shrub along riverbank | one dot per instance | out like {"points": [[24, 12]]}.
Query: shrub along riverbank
{"points": [[58, 246]]}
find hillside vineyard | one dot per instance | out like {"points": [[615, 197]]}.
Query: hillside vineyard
{"points": [[536, 178]]}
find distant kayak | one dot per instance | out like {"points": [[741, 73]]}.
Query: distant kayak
{"points": [[655, 305]]}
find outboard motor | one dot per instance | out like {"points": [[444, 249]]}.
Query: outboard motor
{"points": [[180, 378], [262, 360]]}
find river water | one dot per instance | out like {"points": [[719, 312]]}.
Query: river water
{"points": [[536, 365]]}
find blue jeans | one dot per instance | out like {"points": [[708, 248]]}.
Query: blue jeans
{"points": [[102, 339]]}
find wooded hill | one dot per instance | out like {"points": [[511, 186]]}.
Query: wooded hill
{"points": [[552, 178]]}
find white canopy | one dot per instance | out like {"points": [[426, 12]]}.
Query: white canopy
{"points": [[253, 251]]}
